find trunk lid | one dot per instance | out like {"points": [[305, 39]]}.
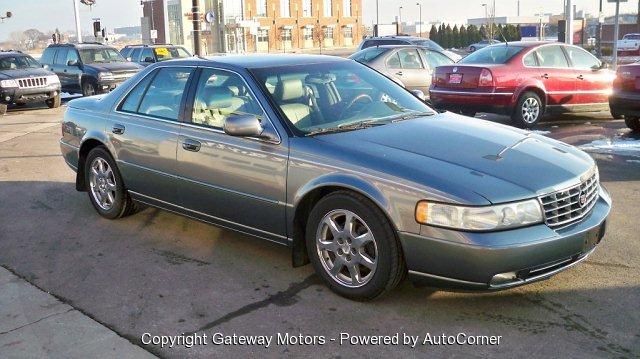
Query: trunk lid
{"points": [[459, 76]]}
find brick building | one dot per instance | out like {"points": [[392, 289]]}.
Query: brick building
{"points": [[261, 25]]}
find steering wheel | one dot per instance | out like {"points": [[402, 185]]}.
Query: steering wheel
{"points": [[359, 98]]}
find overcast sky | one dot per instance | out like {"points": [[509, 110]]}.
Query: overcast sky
{"points": [[50, 14]]}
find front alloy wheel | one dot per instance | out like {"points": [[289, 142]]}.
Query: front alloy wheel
{"points": [[347, 248]]}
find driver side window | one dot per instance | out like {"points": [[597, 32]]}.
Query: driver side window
{"points": [[221, 94]]}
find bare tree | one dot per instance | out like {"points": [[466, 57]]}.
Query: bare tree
{"points": [[32, 36], [318, 35]]}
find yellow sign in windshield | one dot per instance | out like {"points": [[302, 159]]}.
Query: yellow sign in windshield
{"points": [[162, 51]]}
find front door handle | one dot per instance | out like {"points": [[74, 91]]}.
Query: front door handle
{"points": [[191, 145], [399, 73], [117, 129], [546, 76], [580, 77]]}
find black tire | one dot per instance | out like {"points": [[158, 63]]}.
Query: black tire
{"points": [[390, 267], [122, 204], [54, 102], [468, 113], [521, 116], [3, 108], [472, 49], [633, 123], [88, 88], [616, 116]]}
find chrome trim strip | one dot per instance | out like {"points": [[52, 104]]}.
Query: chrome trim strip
{"points": [[541, 276], [579, 92], [208, 216], [447, 279], [472, 93], [272, 201], [69, 145]]}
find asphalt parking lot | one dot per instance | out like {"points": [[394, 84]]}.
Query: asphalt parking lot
{"points": [[159, 273]]}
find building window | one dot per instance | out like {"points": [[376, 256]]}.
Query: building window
{"points": [[307, 33], [261, 8], [307, 8], [328, 8], [348, 32], [285, 8], [346, 8], [328, 33], [263, 35], [286, 34]]}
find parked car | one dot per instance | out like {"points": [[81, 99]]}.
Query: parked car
{"points": [[482, 44], [88, 68], [524, 80], [625, 99], [23, 80], [146, 55], [407, 40], [366, 182], [629, 45], [409, 65]]}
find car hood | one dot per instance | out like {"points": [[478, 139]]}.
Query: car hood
{"points": [[460, 155], [21, 73], [115, 66]]}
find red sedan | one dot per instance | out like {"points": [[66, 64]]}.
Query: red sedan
{"points": [[524, 80], [625, 99]]}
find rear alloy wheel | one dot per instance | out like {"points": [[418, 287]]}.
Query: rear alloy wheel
{"points": [[528, 110], [105, 186], [352, 246], [633, 123], [54, 102]]}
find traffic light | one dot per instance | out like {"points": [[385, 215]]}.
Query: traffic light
{"points": [[9, 14], [96, 28]]}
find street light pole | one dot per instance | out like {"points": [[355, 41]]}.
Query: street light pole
{"points": [[399, 25], [616, 34], [420, 7], [196, 27], [486, 19], [76, 11], [377, 17]]}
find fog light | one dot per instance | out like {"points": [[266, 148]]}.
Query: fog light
{"points": [[504, 278]]}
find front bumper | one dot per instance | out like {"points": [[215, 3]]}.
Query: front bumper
{"points": [[28, 95], [504, 259], [625, 103], [456, 101]]}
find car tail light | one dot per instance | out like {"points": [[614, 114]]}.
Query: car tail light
{"points": [[485, 79], [434, 78]]}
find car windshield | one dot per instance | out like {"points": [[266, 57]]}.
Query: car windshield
{"points": [[337, 96], [168, 53], [631, 37], [18, 62], [430, 44], [495, 54], [367, 55], [100, 55]]}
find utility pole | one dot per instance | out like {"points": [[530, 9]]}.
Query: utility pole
{"points": [[518, 8], [76, 11], [599, 32], [377, 17], [420, 7], [196, 27], [569, 26], [616, 34], [399, 24]]}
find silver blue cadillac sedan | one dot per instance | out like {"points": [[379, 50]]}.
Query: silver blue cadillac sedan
{"points": [[351, 171]]}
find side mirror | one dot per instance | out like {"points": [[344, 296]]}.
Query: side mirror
{"points": [[72, 63], [149, 59], [248, 126], [419, 94]]}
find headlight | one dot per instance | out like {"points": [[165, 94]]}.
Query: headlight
{"points": [[53, 79], [484, 218], [105, 75], [8, 83]]}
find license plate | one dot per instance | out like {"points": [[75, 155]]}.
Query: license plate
{"points": [[455, 78]]}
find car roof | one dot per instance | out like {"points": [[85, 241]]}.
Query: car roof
{"points": [[152, 46], [267, 60], [396, 37], [84, 45], [528, 44], [4, 53]]}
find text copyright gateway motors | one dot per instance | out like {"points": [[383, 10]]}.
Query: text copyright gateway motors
{"points": [[284, 339]]}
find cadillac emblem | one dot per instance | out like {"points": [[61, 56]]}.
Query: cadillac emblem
{"points": [[582, 200]]}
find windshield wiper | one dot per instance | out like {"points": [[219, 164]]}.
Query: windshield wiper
{"points": [[408, 116], [345, 127]]}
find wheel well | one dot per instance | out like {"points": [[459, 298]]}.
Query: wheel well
{"points": [[303, 209], [539, 92], [87, 146]]}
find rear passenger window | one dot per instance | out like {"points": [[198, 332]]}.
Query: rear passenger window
{"points": [[161, 97], [530, 60], [135, 54], [552, 56], [393, 62], [221, 94], [409, 59], [147, 54], [133, 98]]}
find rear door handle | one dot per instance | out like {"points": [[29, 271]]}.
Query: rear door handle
{"points": [[399, 73], [191, 145], [546, 76], [117, 129], [580, 77]]}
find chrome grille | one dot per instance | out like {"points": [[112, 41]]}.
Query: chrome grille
{"points": [[571, 204], [32, 82]]}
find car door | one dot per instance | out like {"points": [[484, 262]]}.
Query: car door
{"points": [[144, 131], [594, 82], [60, 68], [234, 181], [72, 72], [559, 79], [405, 66]]}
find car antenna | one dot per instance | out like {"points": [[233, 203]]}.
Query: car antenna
{"points": [[506, 43]]}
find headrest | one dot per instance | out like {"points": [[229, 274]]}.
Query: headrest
{"points": [[289, 89]]}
